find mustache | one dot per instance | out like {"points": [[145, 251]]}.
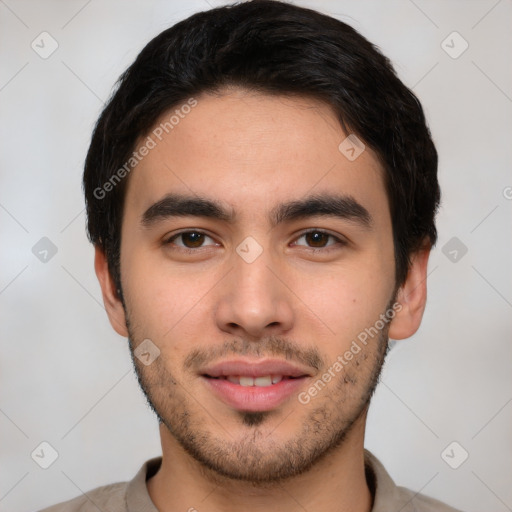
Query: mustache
{"points": [[270, 346]]}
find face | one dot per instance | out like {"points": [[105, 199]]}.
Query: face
{"points": [[254, 257]]}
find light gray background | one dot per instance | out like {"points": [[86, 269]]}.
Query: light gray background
{"points": [[66, 377]]}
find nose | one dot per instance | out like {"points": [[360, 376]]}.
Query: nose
{"points": [[254, 301]]}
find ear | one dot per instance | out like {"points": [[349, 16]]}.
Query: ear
{"points": [[412, 296], [113, 304]]}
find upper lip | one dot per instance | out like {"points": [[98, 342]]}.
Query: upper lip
{"points": [[257, 368]]}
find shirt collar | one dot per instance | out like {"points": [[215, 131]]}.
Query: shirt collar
{"points": [[382, 486]]}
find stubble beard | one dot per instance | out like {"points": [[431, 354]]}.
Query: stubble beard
{"points": [[255, 457]]}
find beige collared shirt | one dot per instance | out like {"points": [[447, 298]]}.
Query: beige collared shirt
{"points": [[133, 496]]}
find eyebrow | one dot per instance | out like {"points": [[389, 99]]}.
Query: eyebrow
{"points": [[344, 207]]}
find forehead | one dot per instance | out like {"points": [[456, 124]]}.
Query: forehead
{"points": [[251, 150]]}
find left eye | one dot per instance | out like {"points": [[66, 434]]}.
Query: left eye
{"points": [[318, 239]]}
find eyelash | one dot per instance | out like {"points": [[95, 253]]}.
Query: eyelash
{"points": [[188, 250]]}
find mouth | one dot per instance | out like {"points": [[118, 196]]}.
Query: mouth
{"points": [[254, 385], [247, 381]]}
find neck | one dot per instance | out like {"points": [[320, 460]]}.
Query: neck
{"points": [[336, 483]]}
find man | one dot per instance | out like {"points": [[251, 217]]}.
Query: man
{"points": [[261, 192]]}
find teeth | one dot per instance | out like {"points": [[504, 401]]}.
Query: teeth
{"points": [[246, 381], [265, 381]]}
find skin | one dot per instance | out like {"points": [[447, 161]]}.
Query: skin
{"points": [[251, 152]]}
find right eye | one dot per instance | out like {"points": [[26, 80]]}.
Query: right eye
{"points": [[190, 240]]}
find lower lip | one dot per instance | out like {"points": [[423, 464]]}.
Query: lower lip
{"points": [[254, 398]]}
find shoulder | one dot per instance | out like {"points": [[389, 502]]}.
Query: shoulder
{"points": [[108, 497], [116, 497], [390, 497], [416, 502]]}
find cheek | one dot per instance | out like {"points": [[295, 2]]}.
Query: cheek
{"points": [[332, 304], [163, 304], [348, 301]]}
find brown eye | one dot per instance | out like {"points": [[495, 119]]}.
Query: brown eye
{"points": [[189, 239], [192, 239], [317, 239]]}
